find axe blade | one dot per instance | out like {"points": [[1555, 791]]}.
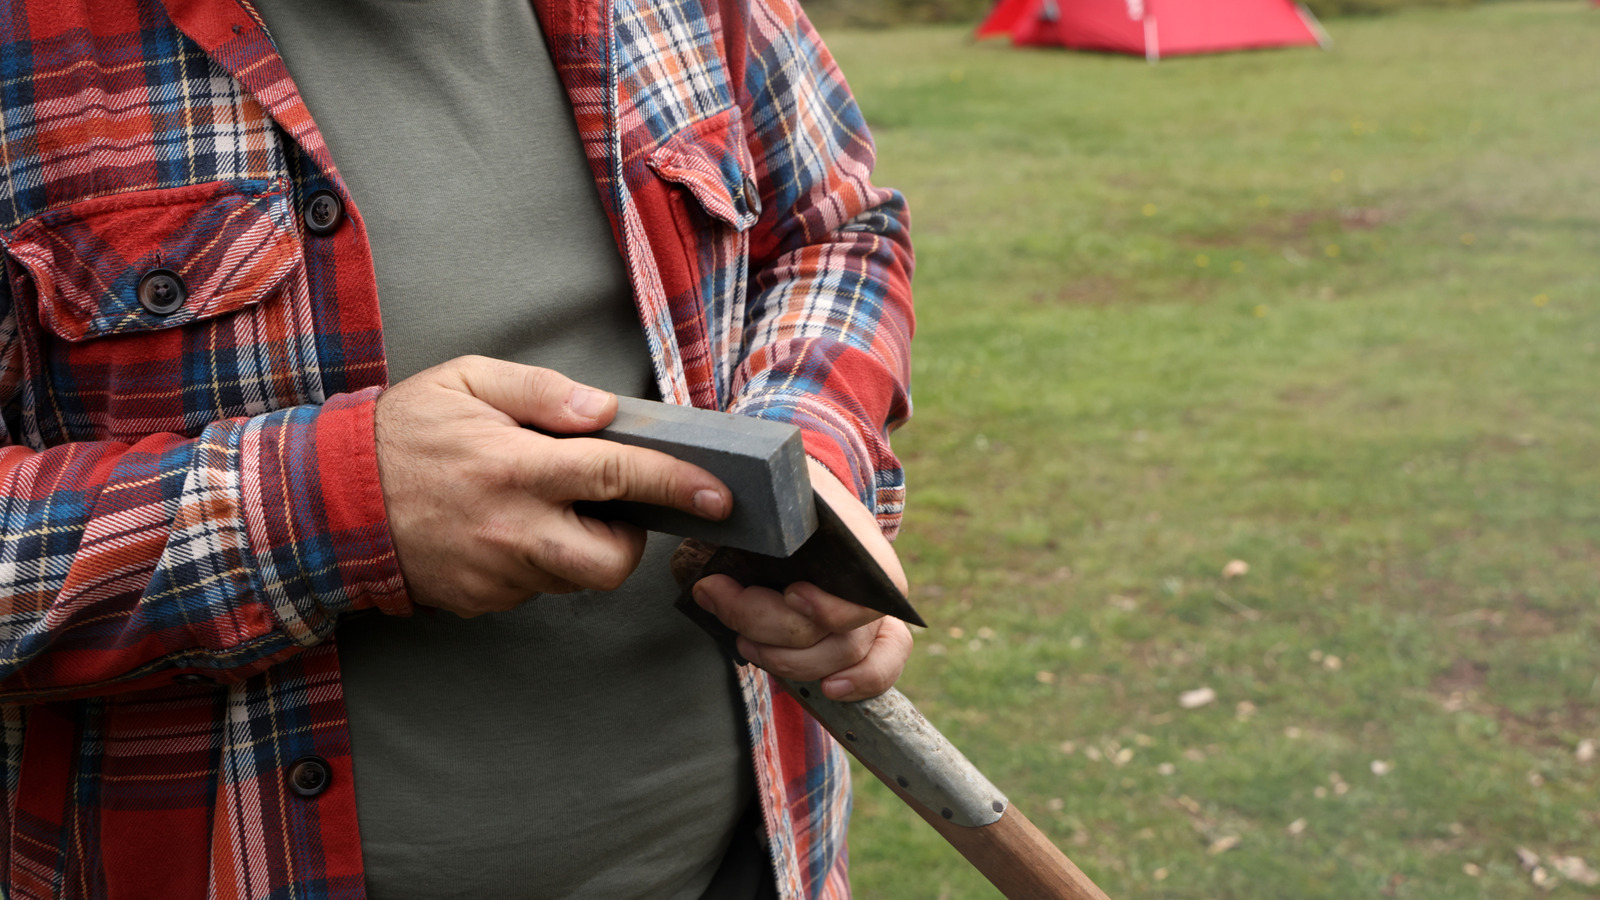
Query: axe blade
{"points": [[831, 559]]}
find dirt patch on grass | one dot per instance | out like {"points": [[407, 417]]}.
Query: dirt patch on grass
{"points": [[1299, 228], [1105, 290], [1464, 688], [1311, 395], [1465, 676], [1096, 290]]}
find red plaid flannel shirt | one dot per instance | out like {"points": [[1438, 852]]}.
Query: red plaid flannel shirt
{"points": [[189, 500]]}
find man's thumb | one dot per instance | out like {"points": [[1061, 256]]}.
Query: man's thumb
{"points": [[542, 398]]}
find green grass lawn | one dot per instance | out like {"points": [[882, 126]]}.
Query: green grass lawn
{"points": [[1335, 315]]}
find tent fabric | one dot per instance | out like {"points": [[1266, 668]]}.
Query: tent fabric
{"points": [[1154, 28]]}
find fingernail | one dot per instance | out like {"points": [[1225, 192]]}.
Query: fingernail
{"points": [[701, 598], [588, 402], [799, 603], [709, 503], [835, 688]]}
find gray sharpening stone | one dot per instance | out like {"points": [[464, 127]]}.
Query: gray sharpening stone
{"points": [[762, 462]]}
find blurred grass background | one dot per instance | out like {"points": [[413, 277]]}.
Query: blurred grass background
{"points": [[1332, 315]]}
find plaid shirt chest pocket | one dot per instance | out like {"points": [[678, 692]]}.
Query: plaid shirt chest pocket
{"points": [[159, 311], [714, 201]]}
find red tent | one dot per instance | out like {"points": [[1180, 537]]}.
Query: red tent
{"points": [[1155, 28]]}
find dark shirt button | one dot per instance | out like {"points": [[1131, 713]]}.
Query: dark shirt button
{"points": [[161, 291], [324, 212], [752, 195], [309, 776], [194, 678]]}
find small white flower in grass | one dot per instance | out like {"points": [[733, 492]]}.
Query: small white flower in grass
{"points": [[1472, 870], [936, 650], [1197, 698], [1123, 757], [1341, 789], [986, 633], [1144, 740], [1166, 769], [957, 632], [1235, 568], [1298, 826], [1244, 710], [1528, 858], [1045, 677], [1159, 874], [1093, 753], [1585, 751], [1543, 879], [1056, 804], [1332, 663], [1381, 767], [1320, 793], [1292, 733], [974, 645], [1535, 779], [1314, 656], [1194, 754], [1069, 747]]}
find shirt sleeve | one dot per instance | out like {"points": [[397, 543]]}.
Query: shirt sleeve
{"points": [[124, 565], [830, 317]]}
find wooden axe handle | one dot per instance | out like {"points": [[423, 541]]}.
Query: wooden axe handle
{"points": [[903, 749], [1010, 851]]}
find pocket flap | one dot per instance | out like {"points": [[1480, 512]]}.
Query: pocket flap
{"points": [[710, 159], [231, 244]]}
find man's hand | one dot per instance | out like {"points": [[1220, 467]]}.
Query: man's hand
{"points": [[805, 633], [480, 508]]}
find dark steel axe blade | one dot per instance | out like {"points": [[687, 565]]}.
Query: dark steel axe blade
{"points": [[831, 559]]}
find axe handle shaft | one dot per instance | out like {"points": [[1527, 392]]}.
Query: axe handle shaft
{"points": [[1011, 852], [888, 736]]}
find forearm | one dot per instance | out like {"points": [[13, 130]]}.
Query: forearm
{"points": [[829, 320], [125, 564]]}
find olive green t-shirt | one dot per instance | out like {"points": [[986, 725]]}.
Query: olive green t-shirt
{"points": [[588, 745]]}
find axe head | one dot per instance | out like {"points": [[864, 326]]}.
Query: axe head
{"points": [[779, 532]]}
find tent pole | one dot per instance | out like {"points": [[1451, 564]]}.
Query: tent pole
{"points": [[1152, 46], [1310, 18]]}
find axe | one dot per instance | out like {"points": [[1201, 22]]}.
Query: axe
{"points": [[779, 533]]}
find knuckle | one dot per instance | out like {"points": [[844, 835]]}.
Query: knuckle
{"points": [[782, 665], [861, 641], [554, 557], [544, 384], [608, 476], [804, 633], [494, 532], [570, 567], [733, 615], [873, 681]]}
